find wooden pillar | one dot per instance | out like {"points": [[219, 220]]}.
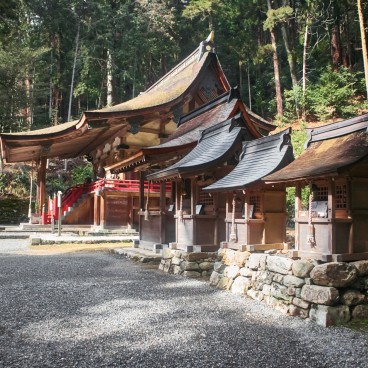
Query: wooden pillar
{"points": [[227, 214], [41, 183], [285, 212], [264, 215], [298, 207], [215, 212], [246, 219], [96, 209], [193, 201], [103, 210], [350, 214], [141, 190], [178, 192], [141, 201], [332, 214], [162, 212]]}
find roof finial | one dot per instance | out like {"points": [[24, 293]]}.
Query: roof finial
{"points": [[211, 37], [207, 45]]}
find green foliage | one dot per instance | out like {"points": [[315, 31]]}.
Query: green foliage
{"points": [[13, 210], [54, 184], [276, 16], [263, 53], [197, 8], [81, 173], [298, 139], [290, 203], [334, 94], [2, 183]]}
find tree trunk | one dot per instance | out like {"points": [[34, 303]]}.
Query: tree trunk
{"points": [[109, 78], [55, 105], [364, 44], [73, 75], [290, 54], [276, 68], [240, 75], [249, 90], [305, 48], [50, 88], [335, 40], [27, 109]]}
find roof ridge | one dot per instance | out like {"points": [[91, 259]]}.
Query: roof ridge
{"points": [[218, 128], [337, 129], [196, 55], [268, 138], [205, 107]]}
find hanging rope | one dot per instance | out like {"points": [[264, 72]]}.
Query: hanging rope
{"points": [[146, 212], [232, 233], [310, 237]]}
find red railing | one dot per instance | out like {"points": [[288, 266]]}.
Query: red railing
{"points": [[72, 194]]}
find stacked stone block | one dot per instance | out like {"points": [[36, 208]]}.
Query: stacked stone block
{"points": [[329, 293], [195, 265]]}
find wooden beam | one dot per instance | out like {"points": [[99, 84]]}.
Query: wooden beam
{"points": [[256, 247]]}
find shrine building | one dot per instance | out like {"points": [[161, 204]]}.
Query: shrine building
{"points": [[334, 169]]}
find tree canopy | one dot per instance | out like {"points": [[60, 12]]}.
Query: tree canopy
{"points": [[108, 51]]}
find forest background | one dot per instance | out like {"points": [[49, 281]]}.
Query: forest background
{"points": [[295, 61]]}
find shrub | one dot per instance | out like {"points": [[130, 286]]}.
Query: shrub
{"points": [[333, 94], [81, 173]]}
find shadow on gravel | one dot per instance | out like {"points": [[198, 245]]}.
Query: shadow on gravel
{"points": [[91, 309]]}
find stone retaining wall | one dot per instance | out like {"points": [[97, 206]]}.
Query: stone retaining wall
{"points": [[329, 293], [198, 264]]}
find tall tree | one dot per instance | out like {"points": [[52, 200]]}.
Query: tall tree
{"points": [[275, 63], [364, 43]]}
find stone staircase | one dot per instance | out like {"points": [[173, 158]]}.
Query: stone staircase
{"points": [[74, 206]]}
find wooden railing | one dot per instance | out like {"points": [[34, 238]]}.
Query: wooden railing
{"points": [[72, 194]]}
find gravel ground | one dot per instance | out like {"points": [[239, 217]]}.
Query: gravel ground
{"points": [[97, 310], [13, 245]]}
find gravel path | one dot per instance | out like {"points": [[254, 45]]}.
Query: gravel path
{"points": [[97, 310]]}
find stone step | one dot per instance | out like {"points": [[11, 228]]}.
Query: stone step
{"points": [[138, 255]]}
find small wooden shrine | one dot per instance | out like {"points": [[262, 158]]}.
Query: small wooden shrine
{"points": [[332, 226], [255, 212], [199, 217]]}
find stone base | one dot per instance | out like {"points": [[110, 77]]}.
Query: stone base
{"points": [[328, 293], [189, 264]]}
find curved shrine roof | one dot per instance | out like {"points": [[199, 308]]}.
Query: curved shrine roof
{"points": [[77, 138], [330, 149], [258, 158], [215, 146]]}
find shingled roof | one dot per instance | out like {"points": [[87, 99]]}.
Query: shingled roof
{"points": [[190, 128], [330, 149], [172, 87], [165, 97], [216, 145], [259, 158]]}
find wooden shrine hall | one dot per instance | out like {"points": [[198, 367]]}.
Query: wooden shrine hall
{"points": [[334, 166], [256, 212], [117, 133], [158, 219]]}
